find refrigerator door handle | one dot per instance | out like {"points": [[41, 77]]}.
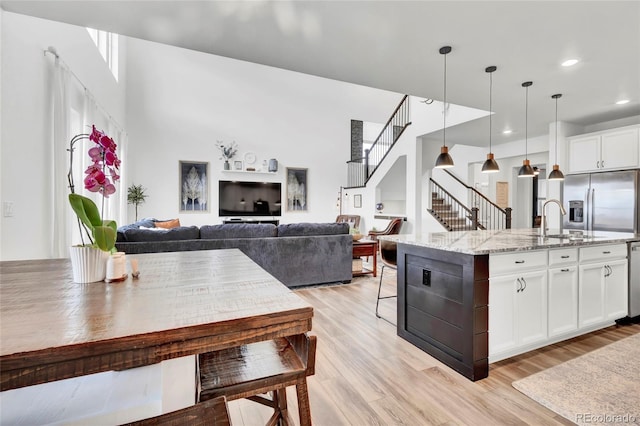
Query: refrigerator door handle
{"points": [[593, 209], [586, 210]]}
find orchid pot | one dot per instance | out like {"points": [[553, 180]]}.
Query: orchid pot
{"points": [[89, 264]]}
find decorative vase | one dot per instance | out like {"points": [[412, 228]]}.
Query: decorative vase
{"points": [[227, 166], [89, 264]]}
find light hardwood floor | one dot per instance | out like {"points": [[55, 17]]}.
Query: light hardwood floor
{"points": [[367, 375]]}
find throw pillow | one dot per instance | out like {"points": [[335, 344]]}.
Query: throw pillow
{"points": [[158, 229], [168, 224]]}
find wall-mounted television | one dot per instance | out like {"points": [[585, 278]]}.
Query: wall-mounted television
{"points": [[236, 198]]}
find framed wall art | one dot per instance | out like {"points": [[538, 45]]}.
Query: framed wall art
{"points": [[237, 165], [357, 201], [297, 189], [194, 187]]}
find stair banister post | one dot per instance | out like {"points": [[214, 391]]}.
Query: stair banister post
{"points": [[366, 165], [474, 217], [507, 221]]}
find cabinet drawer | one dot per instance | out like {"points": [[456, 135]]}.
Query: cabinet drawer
{"points": [[514, 262], [602, 253], [563, 256]]}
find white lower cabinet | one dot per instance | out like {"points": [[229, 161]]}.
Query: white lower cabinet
{"points": [[545, 296], [563, 300], [517, 306], [616, 290], [603, 288], [591, 294]]}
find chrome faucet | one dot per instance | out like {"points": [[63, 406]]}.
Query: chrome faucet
{"points": [[543, 221]]}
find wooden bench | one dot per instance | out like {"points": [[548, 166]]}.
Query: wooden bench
{"points": [[213, 412], [257, 368]]}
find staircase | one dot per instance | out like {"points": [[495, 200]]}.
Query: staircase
{"points": [[454, 215], [360, 170], [450, 212], [448, 217]]}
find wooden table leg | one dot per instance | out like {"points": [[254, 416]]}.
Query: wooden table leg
{"points": [[375, 260]]}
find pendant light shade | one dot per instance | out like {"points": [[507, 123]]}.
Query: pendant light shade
{"points": [[444, 160], [490, 166], [556, 174], [526, 171]]}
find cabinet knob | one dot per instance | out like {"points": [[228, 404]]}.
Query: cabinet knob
{"points": [[606, 252], [564, 270], [564, 257], [519, 261]]}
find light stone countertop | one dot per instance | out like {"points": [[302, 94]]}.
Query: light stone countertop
{"points": [[506, 240]]}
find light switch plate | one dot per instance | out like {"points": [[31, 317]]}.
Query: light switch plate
{"points": [[7, 208]]}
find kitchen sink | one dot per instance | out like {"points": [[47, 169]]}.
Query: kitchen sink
{"points": [[571, 237], [561, 236]]}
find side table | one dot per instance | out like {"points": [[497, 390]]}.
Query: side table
{"points": [[366, 248]]}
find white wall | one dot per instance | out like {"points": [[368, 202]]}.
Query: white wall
{"points": [[26, 126], [180, 102], [392, 189]]}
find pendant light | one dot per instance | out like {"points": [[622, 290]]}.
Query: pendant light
{"points": [[490, 166], [444, 160], [556, 174], [526, 170]]}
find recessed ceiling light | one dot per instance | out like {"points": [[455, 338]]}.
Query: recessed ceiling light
{"points": [[507, 132], [570, 62], [622, 102]]}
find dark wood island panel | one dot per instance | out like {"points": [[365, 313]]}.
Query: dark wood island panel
{"points": [[443, 306]]}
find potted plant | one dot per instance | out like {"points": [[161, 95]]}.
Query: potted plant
{"points": [[88, 260], [227, 152], [136, 196]]}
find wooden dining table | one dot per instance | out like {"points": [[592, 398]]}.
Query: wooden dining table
{"points": [[182, 303]]}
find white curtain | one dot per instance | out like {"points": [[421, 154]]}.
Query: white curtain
{"points": [[74, 111], [60, 236]]}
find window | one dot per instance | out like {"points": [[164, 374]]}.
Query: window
{"points": [[107, 44]]}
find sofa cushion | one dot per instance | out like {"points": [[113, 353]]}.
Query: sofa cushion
{"points": [[173, 234], [237, 230], [147, 223], [307, 229]]}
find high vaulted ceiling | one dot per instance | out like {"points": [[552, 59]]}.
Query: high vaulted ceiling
{"points": [[393, 45]]}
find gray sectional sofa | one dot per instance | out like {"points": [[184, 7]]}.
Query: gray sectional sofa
{"points": [[297, 254]]}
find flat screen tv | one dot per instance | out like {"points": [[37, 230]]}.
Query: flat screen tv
{"points": [[237, 198]]}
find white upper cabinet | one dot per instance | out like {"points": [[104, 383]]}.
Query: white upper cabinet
{"points": [[608, 150]]}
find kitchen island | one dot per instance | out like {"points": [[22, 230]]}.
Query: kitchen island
{"points": [[469, 298]]}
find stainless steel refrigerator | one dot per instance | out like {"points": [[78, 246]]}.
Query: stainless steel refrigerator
{"points": [[607, 201]]}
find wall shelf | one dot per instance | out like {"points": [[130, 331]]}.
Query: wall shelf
{"points": [[390, 216], [259, 172]]}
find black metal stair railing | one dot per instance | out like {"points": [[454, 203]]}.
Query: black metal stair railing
{"points": [[449, 211], [490, 215], [360, 170]]}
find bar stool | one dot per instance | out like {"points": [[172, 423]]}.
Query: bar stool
{"points": [[257, 368], [389, 258]]}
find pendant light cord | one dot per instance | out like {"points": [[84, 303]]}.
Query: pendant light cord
{"points": [[444, 106], [490, 104], [526, 123], [556, 130]]}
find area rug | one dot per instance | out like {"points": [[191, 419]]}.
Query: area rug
{"points": [[600, 387]]}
